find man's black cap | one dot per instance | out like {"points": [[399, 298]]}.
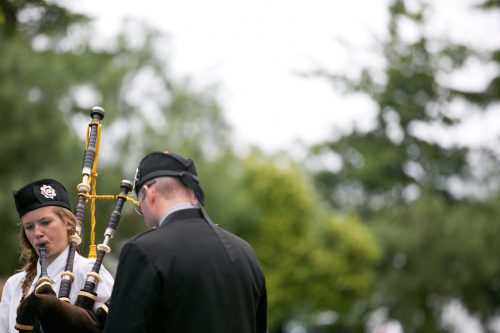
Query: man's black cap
{"points": [[41, 193], [159, 164]]}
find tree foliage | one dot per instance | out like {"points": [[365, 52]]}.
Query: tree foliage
{"points": [[393, 158], [428, 201], [34, 17], [435, 253], [313, 260]]}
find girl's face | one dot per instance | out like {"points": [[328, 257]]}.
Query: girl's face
{"points": [[44, 226]]}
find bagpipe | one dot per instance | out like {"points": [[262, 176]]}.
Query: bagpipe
{"points": [[56, 314]]}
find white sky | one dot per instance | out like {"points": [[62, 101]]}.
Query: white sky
{"points": [[254, 48]]}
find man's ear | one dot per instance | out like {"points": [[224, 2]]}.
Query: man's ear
{"points": [[150, 194]]}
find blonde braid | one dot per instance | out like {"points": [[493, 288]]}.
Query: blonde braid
{"points": [[30, 257]]}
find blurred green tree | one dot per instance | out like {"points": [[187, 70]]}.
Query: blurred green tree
{"points": [[30, 125], [427, 200], [387, 163], [34, 17], [436, 253], [313, 260]]}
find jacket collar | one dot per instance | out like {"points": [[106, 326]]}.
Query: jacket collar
{"points": [[183, 214]]}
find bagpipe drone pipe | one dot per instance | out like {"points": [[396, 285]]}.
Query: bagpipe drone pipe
{"points": [[56, 314]]}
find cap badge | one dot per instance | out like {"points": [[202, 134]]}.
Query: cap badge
{"points": [[48, 191], [136, 177]]}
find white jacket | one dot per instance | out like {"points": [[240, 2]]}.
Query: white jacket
{"points": [[12, 291]]}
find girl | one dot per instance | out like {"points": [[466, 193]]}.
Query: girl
{"points": [[46, 219]]}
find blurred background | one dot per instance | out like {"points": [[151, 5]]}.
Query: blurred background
{"points": [[355, 146]]}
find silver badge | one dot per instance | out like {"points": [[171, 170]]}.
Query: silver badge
{"points": [[136, 178], [48, 191]]}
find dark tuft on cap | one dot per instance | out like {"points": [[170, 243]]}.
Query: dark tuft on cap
{"points": [[41, 193], [159, 164]]}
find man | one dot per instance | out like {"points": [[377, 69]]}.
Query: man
{"points": [[186, 274]]}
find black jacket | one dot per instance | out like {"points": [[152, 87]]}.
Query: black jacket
{"points": [[186, 276]]}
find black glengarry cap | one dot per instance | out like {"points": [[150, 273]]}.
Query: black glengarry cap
{"points": [[41, 193], [159, 164]]}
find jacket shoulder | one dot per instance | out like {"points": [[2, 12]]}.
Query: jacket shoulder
{"points": [[139, 238]]}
